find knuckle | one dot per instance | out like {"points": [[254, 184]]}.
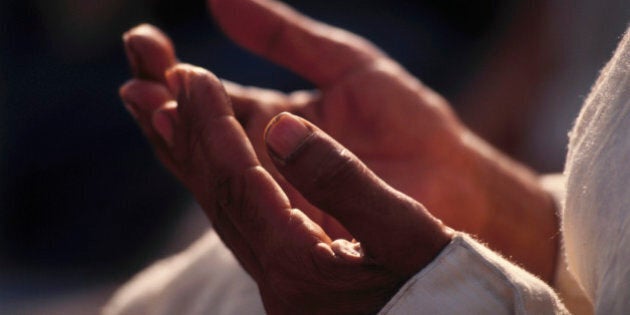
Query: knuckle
{"points": [[223, 200], [229, 197], [236, 197], [190, 154], [280, 250], [337, 168], [276, 38]]}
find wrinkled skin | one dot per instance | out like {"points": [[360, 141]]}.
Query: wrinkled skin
{"points": [[401, 130]]}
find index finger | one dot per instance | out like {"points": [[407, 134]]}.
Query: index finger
{"points": [[319, 52], [234, 185]]}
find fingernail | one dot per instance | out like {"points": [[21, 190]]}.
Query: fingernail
{"points": [[285, 134], [163, 124], [347, 250]]}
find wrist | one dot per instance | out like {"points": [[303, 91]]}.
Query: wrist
{"points": [[521, 221]]}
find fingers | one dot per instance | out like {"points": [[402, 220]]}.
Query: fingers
{"points": [[149, 51], [385, 221], [234, 189], [207, 116], [144, 99], [316, 51]]}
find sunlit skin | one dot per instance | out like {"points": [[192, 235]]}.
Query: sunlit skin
{"points": [[394, 126]]}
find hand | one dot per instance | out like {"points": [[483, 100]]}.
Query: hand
{"points": [[399, 128], [297, 267]]}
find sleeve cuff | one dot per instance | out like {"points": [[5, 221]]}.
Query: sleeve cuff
{"points": [[466, 278]]}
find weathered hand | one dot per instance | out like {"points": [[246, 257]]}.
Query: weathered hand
{"points": [[399, 128], [296, 265]]}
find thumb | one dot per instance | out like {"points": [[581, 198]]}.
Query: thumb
{"points": [[394, 230]]}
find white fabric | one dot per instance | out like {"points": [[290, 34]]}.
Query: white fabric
{"points": [[568, 288], [466, 278], [596, 224], [203, 279]]}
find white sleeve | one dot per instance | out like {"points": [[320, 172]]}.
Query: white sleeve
{"points": [[596, 220], [203, 279], [468, 278]]}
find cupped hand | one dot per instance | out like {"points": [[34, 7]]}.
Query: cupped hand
{"points": [[296, 264], [399, 128]]}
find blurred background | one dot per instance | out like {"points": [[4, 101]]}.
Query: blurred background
{"points": [[84, 204]]}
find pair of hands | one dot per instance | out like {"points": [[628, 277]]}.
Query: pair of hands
{"points": [[253, 157]]}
